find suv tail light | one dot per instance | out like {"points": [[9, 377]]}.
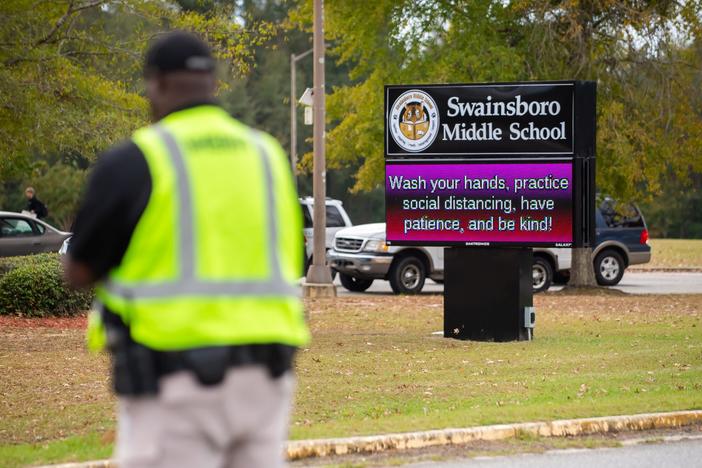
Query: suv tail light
{"points": [[644, 237]]}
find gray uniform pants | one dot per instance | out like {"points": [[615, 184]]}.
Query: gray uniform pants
{"points": [[241, 422]]}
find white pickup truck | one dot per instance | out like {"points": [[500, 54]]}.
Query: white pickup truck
{"points": [[361, 256]]}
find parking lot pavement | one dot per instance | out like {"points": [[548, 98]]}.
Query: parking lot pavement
{"points": [[684, 453], [661, 283], [634, 282]]}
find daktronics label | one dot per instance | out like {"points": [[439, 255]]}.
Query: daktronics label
{"points": [[480, 203], [479, 120]]}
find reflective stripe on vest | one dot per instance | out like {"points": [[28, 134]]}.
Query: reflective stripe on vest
{"points": [[188, 284]]}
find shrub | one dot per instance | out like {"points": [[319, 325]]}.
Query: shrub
{"points": [[33, 286], [10, 263]]}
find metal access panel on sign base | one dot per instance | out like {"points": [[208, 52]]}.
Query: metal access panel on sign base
{"points": [[486, 293]]}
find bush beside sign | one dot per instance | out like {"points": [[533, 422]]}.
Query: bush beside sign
{"points": [[33, 286]]}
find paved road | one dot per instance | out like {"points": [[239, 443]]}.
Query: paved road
{"points": [[633, 283], [686, 453]]}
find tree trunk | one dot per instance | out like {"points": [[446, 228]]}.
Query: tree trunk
{"points": [[582, 273]]}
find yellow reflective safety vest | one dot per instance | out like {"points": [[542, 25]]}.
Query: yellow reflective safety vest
{"points": [[217, 252]]}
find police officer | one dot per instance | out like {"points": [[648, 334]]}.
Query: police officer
{"points": [[191, 231], [34, 205]]}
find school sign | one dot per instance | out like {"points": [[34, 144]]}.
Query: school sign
{"points": [[490, 164]]}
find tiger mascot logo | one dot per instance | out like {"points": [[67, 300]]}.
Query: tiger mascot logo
{"points": [[414, 124], [413, 120]]}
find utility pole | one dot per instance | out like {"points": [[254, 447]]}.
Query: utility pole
{"points": [[319, 280], [293, 109]]}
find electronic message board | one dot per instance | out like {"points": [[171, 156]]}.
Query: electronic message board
{"points": [[480, 203], [490, 164]]}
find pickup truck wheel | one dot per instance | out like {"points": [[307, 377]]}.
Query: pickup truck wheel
{"points": [[609, 268], [407, 276], [541, 275], [354, 284]]}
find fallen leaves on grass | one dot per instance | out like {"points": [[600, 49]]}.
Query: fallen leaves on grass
{"points": [[406, 378], [45, 322]]}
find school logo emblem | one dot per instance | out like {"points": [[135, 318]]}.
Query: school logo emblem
{"points": [[414, 120]]}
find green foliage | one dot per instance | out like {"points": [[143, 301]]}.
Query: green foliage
{"points": [[53, 98], [33, 286], [393, 42], [70, 77], [62, 184], [645, 56], [71, 84], [677, 211], [262, 99], [646, 59], [10, 263]]}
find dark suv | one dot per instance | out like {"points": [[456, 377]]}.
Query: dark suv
{"points": [[622, 240]]}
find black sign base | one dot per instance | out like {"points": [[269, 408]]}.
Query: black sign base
{"points": [[488, 294]]}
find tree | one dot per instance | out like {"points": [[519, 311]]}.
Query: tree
{"points": [[387, 42], [71, 85], [261, 99], [60, 186], [677, 211], [70, 74], [641, 53]]}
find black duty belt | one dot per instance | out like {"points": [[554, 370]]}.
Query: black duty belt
{"points": [[136, 368], [210, 364]]}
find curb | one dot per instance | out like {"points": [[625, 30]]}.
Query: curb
{"points": [[569, 427], [666, 270], [297, 450]]}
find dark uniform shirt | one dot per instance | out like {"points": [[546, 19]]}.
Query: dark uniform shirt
{"points": [[116, 196], [35, 205]]}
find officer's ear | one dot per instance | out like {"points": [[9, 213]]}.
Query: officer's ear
{"points": [[156, 95], [153, 83], [161, 84], [212, 83]]}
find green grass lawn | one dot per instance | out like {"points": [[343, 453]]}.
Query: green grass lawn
{"points": [[375, 367], [675, 253]]}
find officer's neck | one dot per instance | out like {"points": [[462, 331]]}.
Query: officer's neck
{"points": [[183, 103]]}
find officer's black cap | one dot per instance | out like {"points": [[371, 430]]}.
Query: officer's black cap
{"points": [[178, 51]]}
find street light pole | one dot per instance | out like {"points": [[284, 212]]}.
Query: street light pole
{"points": [[318, 273], [293, 119], [293, 109]]}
